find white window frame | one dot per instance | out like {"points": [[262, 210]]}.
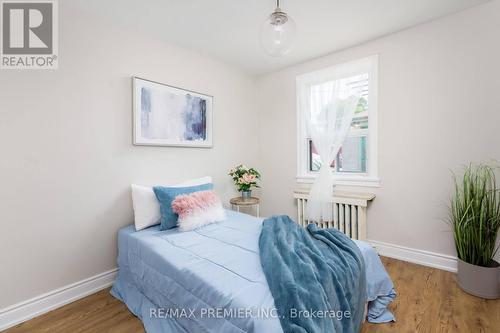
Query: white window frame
{"points": [[366, 65]]}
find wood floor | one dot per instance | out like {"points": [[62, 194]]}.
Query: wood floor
{"points": [[429, 300]]}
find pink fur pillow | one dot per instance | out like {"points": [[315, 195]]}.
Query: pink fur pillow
{"points": [[198, 209]]}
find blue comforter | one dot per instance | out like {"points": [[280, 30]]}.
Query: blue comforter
{"points": [[316, 276], [210, 270]]}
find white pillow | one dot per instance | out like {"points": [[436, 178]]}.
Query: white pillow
{"points": [[147, 207]]}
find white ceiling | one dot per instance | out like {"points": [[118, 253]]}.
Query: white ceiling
{"points": [[228, 30]]}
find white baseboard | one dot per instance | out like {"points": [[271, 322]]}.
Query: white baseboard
{"points": [[421, 257], [39, 305]]}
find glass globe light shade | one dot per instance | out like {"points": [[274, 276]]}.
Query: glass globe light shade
{"points": [[278, 33]]}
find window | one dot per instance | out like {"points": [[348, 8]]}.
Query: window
{"points": [[356, 162]]}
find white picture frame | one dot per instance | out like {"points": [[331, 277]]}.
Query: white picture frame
{"points": [[169, 116]]}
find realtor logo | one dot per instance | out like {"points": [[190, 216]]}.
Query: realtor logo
{"points": [[29, 34]]}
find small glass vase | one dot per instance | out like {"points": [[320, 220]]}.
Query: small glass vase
{"points": [[245, 195]]}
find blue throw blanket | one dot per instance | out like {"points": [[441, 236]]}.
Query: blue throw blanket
{"points": [[316, 276]]}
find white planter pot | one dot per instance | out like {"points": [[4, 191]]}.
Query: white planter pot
{"points": [[479, 281]]}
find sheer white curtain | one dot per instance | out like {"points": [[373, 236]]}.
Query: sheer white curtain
{"points": [[329, 110]]}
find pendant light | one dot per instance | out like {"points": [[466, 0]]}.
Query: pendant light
{"points": [[278, 33]]}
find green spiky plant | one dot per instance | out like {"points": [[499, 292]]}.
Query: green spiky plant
{"points": [[475, 215]]}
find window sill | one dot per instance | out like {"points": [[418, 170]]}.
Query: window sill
{"points": [[344, 180]]}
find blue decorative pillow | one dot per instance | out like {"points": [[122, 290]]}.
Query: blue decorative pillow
{"points": [[166, 195]]}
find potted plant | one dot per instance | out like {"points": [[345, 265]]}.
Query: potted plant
{"points": [[475, 219], [245, 178]]}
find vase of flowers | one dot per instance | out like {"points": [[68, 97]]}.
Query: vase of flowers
{"points": [[246, 194], [245, 179]]}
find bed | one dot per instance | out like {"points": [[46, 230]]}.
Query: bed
{"points": [[211, 279]]}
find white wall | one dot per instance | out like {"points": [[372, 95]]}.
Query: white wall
{"points": [[66, 155], [439, 108]]}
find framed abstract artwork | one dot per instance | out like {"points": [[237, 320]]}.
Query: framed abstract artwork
{"points": [[169, 116]]}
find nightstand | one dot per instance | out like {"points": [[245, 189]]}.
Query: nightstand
{"points": [[252, 202]]}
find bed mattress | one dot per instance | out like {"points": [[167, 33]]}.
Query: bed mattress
{"points": [[206, 280]]}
